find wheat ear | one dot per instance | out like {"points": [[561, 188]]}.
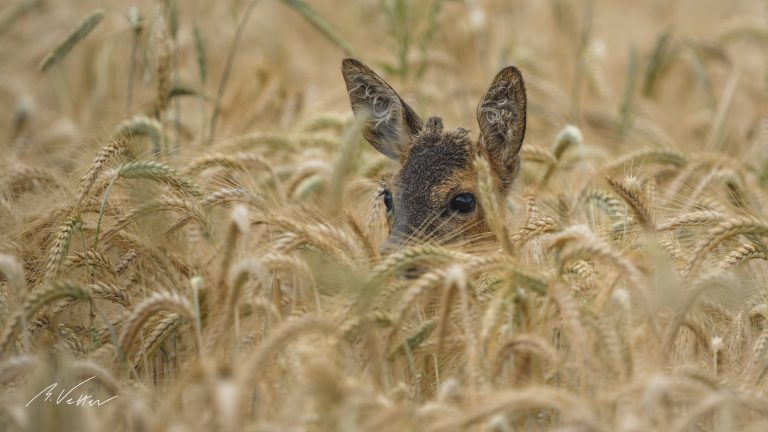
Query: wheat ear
{"points": [[162, 300], [81, 31], [490, 201], [33, 302], [725, 230]]}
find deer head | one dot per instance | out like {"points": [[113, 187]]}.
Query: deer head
{"points": [[433, 195]]}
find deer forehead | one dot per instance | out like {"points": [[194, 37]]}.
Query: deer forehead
{"points": [[437, 164]]}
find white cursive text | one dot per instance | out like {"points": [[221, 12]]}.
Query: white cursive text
{"points": [[82, 399]]}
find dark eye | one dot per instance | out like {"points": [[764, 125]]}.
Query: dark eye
{"points": [[463, 203], [387, 195]]}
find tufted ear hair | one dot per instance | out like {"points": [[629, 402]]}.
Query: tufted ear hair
{"points": [[501, 116], [391, 124]]}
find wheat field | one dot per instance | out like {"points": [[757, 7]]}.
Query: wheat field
{"points": [[190, 219]]}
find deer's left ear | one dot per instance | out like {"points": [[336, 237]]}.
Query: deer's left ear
{"points": [[501, 116]]}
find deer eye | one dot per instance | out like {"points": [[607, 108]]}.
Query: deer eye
{"points": [[463, 203], [387, 195]]}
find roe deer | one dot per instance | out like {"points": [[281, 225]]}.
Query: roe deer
{"points": [[433, 195]]}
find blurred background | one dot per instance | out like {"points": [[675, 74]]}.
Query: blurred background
{"points": [[659, 72]]}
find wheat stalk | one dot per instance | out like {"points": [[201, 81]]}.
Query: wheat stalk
{"points": [[744, 253], [449, 294], [324, 236], [540, 155], [15, 366], [60, 247], [324, 121], [570, 136], [88, 368], [523, 344], [103, 157], [160, 332], [79, 33], [228, 69], [606, 201], [32, 303], [88, 258], [125, 262], [319, 23], [646, 157], [185, 207], [14, 274], [725, 230], [574, 410], [534, 228], [494, 213], [417, 337], [140, 126], [20, 179], [161, 300], [363, 237], [163, 64], [158, 172], [408, 256], [696, 218], [255, 364], [637, 202]]}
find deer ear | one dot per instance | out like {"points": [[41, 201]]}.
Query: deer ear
{"points": [[391, 124], [501, 116]]}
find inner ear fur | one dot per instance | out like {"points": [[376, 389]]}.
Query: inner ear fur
{"points": [[391, 124], [501, 117]]}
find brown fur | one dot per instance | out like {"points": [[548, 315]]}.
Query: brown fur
{"points": [[437, 165]]}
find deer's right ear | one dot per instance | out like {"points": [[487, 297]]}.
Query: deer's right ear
{"points": [[390, 124]]}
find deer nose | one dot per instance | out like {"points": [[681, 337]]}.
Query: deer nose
{"points": [[400, 236]]}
